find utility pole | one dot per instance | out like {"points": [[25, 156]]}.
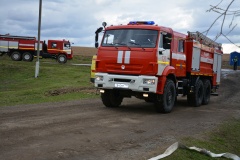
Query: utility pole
{"points": [[38, 44]]}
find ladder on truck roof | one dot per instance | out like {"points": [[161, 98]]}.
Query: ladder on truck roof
{"points": [[17, 37], [204, 39]]}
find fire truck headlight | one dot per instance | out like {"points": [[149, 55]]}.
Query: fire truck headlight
{"points": [[149, 81], [99, 78]]}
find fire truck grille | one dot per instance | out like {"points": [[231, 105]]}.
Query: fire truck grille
{"points": [[121, 80], [133, 68]]}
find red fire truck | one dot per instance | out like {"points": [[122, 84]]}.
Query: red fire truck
{"points": [[25, 48], [157, 64]]}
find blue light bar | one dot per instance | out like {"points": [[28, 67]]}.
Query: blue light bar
{"points": [[142, 22]]}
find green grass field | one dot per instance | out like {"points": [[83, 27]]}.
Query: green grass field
{"points": [[56, 82]]}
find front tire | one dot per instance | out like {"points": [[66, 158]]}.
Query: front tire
{"points": [[62, 58], [165, 102], [111, 98]]}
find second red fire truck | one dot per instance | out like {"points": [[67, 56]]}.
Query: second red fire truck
{"points": [[157, 64], [25, 48]]}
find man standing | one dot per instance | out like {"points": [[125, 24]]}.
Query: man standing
{"points": [[235, 63]]}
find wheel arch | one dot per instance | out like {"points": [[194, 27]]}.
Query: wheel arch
{"points": [[168, 73]]}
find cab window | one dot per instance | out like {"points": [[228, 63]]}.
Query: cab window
{"points": [[54, 45], [181, 45], [165, 40]]}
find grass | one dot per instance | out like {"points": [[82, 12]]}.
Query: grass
{"points": [[224, 139], [56, 82]]}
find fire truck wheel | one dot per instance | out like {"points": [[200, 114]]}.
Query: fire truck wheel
{"points": [[207, 92], [27, 56], [62, 58], [16, 56], [196, 98], [111, 98], [164, 103]]}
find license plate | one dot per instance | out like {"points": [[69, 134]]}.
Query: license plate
{"points": [[120, 85]]}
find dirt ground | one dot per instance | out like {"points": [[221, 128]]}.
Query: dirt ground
{"points": [[86, 130], [84, 51]]}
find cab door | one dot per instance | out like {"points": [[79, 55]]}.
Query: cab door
{"points": [[53, 47], [163, 53]]}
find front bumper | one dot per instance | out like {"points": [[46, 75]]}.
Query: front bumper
{"points": [[133, 83]]}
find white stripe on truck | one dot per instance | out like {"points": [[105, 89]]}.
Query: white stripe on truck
{"points": [[120, 56]]}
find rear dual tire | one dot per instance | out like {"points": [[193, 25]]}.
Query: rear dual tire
{"points": [[27, 56], [201, 93], [207, 92], [196, 98], [16, 56]]}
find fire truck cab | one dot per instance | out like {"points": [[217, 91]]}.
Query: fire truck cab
{"points": [[156, 64], [58, 49]]}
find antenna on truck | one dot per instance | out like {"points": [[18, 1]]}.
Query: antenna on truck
{"points": [[203, 39]]}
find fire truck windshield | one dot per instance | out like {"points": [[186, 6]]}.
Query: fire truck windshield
{"points": [[143, 38], [67, 45]]}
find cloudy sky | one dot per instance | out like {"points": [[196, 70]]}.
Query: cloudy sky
{"points": [[77, 20]]}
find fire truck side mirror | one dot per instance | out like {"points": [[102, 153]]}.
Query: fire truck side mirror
{"points": [[96, 44], [99, 30], [96, 36], [167, 45], [168, 39]]}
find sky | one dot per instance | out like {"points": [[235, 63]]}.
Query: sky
{"points": [[77, 20]]}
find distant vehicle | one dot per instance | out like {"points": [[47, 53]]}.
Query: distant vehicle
{"points": [[25, 48], [157, 64]]}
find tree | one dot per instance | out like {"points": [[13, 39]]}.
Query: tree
{"points": [[223, 13]]}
